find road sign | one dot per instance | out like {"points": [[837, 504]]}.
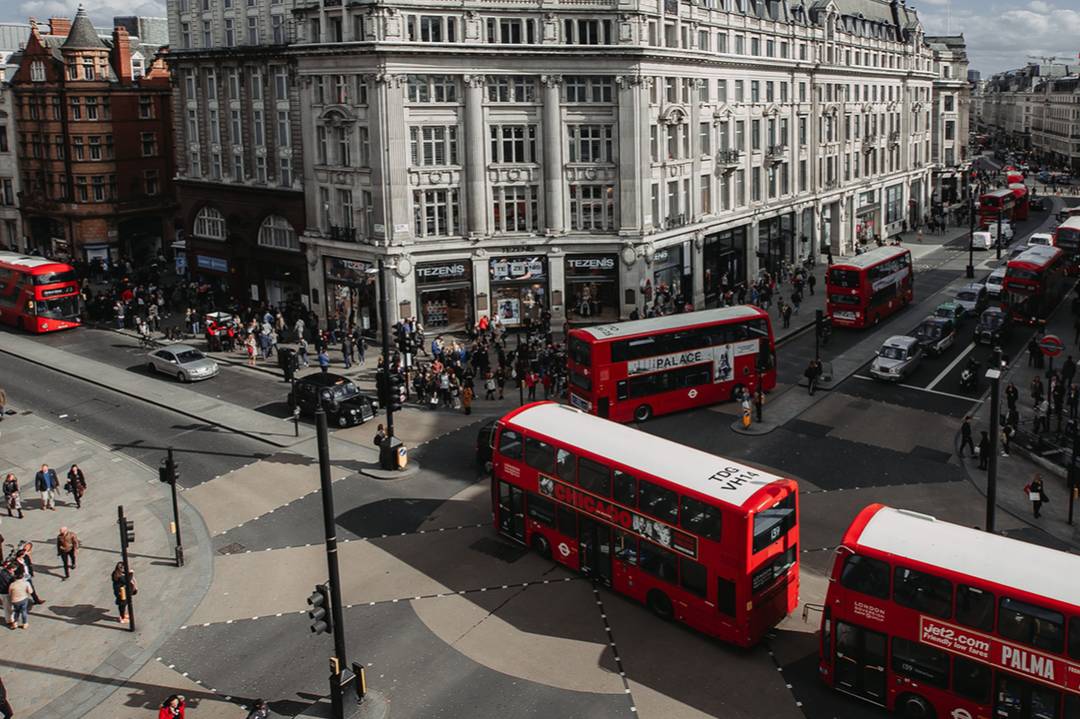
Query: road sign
{"points": [[1051, 345]]}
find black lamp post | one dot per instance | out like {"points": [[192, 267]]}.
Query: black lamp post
{"points": [[997, 241], [971, 235]]}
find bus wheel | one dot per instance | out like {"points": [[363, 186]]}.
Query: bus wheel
{"points": [[660, 605], [913, 706], [642, 413], [541, 545]]}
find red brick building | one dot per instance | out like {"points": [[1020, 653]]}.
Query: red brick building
{"points": [[94, 139]]}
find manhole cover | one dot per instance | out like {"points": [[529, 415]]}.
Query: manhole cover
{"points": [[234, 548], [508, 553]]}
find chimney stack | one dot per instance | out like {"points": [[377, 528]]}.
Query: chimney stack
{"points": [[122, 54], [60, 26]]}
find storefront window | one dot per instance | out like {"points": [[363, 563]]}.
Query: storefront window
{"points": [[444, 294], [592, 288], [351, 294], [519, 289], [776, 241], [724, 263], [672, 280]]}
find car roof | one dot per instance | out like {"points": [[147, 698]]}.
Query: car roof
{"points": [[932, 320], [998, 272], [949, 304], [177, 349], [323, 379], [994, 310], [902, 341], [972, 286]]}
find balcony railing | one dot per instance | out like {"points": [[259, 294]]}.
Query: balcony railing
{"points": [[894, 137], [727, 157], [776, 152], [342, 234], [676, 220]]}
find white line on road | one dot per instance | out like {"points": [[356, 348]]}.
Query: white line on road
{"points": [[952, 364], [923, 389]]}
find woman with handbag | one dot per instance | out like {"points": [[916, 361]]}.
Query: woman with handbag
{"points": [[119, 587], [1036, 494], [76, 484]]}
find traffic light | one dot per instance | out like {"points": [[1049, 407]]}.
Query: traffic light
{"points": [[175, 472], [319, 601], [819, 322], [382, 387], [397, 391], [127, 532], [169, 472]]}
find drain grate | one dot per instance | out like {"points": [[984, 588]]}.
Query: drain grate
{"points": [[508, 553]]}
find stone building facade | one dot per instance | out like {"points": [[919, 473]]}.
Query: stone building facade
{"points": [[950, 121], [94, 143], [1055, 122]]}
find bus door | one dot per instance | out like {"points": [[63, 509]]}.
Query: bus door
{"points": [[512, 511], [860, 662], [1018, 699], [594, 540]]}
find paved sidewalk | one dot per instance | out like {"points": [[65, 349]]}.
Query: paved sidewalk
{"points": [[75, 653]]}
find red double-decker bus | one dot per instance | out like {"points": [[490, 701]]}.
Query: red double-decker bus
{"points": [[1067, 239], [695, 537], [1035, 281], [37, 294], [1021, 200], [933, 619], [635, 370], [991, 203], [863, 289]]}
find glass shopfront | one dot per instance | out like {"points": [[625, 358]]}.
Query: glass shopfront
{"points": [[723, 261], [592, 288], [867, 217], [519, 289], [352, 296], [776, 241], [444, 294], [672, 284]]}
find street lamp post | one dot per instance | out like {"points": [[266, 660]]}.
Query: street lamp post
{"points": [[994, 375], [971, 235], [997, 241], [383, 302]]}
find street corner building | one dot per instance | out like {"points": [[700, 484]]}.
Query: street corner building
{"points": [[94, 139], [517, 161]]}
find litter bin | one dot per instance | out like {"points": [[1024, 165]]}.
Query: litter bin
{"points": [[393, 454], [287, 361]]}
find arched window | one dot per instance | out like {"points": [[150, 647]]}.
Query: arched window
{"points": [[210, 223], [276, 232]]}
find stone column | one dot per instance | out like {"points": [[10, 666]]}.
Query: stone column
{"points": [[557, 283], [634, 162], [390, 178], [698, 267], [553, 154], [752, 262], [475, 183], [481, 285]]}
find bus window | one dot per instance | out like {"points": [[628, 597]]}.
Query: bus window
{"points": [[693, 577], [594, 477], [725, 596], [975, 608], [772, 523], [1031, 625], [541, 509], [539, 455], [625, 489], [626, 547], [510, 444], [658, 562], [922, 592], [1072, 706], [866, 575], [564, 464], [920, 662], [1074, 639], [658, 502], [972, 679], [566, 518], [579, 351], [700, 518]]}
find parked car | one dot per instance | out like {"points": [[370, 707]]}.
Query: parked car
{"points": [[972, 298], [935, 334], [994, 282], [951, 311], [343, 401], [183, 362], [982, 240], [485, 438], [1040, 238], [1041, 204], [994, 325], [896, 359]]}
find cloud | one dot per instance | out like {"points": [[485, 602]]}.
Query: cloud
{"points": [[100, 11]]}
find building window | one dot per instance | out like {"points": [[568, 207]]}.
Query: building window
{"points": [[37, 71], [430, 28], [253, 30], [207, 38], [588, 88], [94, 143], [7, 192], [583, 31], [515, 208], [322, 146], [283, 128], [260, 169], [277, 29], [513, 143], [365, 147], [210, 224], [511, 88], [511, 31], [230, 32], [590, 143], [433, 145], [99, 188], [436, 213], [149, 143], [88, 68], [82, 191], [432, 88], [592, 207], [185, 35], [343, 146], [285, 172], [146, 107], [278, 233], [258, 128], [78, 149], [150, 182], [76, 108], [281, 83]]}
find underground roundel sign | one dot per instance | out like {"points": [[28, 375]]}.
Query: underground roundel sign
{"points": [[1051, 345], [692, 393]]}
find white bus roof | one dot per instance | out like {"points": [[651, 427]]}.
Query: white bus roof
{"points": [[868, 259], [991, 557], [1036, 255], [1072, 223], [671, 322], [27, 261], [676, 463]]}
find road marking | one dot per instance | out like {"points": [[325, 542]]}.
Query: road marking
{"points": [[952, 364], [923, 389]]}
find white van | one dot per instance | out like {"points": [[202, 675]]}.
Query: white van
{"points": [[1040, 238], [995, 281]]}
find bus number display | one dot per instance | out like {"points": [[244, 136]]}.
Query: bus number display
{"points": [[647, 528]]}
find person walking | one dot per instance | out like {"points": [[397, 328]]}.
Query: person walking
{"points": [[46, 484], [785, 313], [250, 347], [380, 436], [467, 398], [3, 403], [1033, 353], [346, 350], [1036, 390], [1036, 494], [20, 592], [530, 385], [5, 706], [119, 588], [1006, 435], [259, 710], [301, 351], [11, 495], [24, 564], [76, 484], [361, 349], [966, 437], [7, 576], [489, 385], [67, 548], [984, 450], [1012, 394], [811, 280], [812, 372], [324, 361], [173, 707]]}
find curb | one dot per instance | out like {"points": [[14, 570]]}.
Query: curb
{"points": [[390, 475]]}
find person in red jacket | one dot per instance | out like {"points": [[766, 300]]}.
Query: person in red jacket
{"points": [[172, 708]]}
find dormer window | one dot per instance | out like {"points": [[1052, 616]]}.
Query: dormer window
{"points": [[137, 65], [88, 68], [37, 71]]}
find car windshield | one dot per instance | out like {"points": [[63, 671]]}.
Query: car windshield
{"points": [[341, 391], [893, 353], [965, 296], [930, 331], [992, 320], [994, 280], [190, 356], [945, 312]]}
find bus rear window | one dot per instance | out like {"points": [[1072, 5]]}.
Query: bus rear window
{"points": [[844, 278], [580, 352], [773, 523]]}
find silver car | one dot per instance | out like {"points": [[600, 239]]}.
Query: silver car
{"points": [[183, 362], [896, 359]]}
